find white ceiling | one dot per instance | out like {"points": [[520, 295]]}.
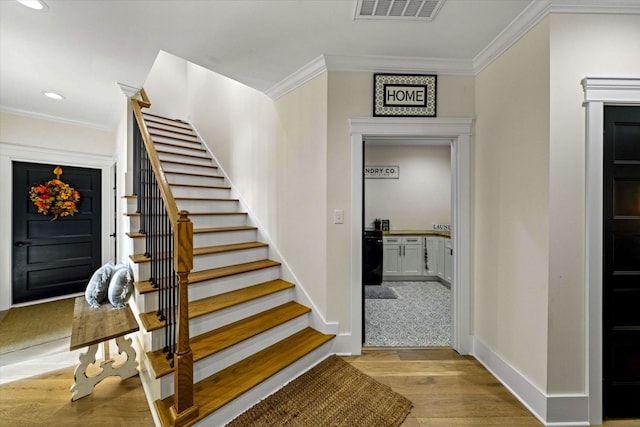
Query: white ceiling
{"points": [[81, 49]]}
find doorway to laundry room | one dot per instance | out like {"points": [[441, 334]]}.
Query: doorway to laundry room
{"points": [[407, 256]]}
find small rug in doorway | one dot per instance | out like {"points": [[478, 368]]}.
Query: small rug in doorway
{"points": [[333, 393], [24, 327], [379, 292]]}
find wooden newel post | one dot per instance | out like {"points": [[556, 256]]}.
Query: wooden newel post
{"points": [[184, 408]]}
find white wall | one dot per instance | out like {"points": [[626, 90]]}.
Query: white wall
{"points": [[420, 197], [581, 46], [166, 86], [37, 140], [511, 208]]}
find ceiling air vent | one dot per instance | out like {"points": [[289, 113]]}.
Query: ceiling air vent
{"points": [[424, 10]]}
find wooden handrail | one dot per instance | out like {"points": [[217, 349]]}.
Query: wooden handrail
{"points": [[184, 408], [167, 195]]}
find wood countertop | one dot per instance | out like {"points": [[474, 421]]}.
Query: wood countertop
{"points": [[442, 233]]}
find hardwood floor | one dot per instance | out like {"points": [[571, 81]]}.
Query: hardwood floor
{"points": [[446, 389]]}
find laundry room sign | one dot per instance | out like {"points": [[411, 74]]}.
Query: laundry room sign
{"points": [[382, 172], [404, 95]]}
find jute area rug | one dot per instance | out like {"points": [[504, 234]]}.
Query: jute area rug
{"points": [[24, 327], [332, 394]]}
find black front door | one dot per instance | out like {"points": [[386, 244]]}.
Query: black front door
{"points": [[54, 258], [621, 262]]}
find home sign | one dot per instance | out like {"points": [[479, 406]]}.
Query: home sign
{"points": [[404, 95]]}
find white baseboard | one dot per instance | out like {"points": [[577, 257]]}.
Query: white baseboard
{"points": [[553, 410]]}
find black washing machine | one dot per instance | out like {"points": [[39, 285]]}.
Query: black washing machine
{"points": [[372, 257]]}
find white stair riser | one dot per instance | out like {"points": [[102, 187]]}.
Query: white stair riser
{"points": [[210, 365], [205, 262], [213, 180], [134, 223], [207, 205], [206, 239], [202, 161], [207, 288], [216, 221], [147, 302], [212, 321], [138, 245], [191, 168], [189, 151], [224, 238], [203, 221], [182, 191]]}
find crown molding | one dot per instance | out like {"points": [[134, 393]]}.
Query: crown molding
{"points": [[610, 7], [399, 64], [526, 20], [297, 78], [536, 11]]}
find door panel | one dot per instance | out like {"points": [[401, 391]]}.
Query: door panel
{"points": [[621, 278], [54, 258]]}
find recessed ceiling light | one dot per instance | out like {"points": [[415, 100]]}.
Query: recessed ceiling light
{"points": [[35, 4], [53, 95]]}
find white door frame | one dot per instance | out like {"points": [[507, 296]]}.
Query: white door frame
{"points": [[458, 130], [598, 92]]}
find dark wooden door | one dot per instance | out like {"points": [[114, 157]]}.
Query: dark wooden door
{"points": [[621, 263], [54, 258]]}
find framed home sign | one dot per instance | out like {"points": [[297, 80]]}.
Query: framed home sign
{"points": [[404, 95]]}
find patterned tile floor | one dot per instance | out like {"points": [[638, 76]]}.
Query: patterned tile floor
{"points": [[419, 317]]}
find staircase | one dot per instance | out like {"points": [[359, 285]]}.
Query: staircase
{"points": [[248, 335]]}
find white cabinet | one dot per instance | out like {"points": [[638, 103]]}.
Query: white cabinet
{"points": [[392, 256], [402, 256]]}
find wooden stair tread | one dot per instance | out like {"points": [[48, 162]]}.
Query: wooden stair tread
{"points": [[217, 273], [208, 250], [225, 229], [219, 302], [229, 335], [214, 392]]}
